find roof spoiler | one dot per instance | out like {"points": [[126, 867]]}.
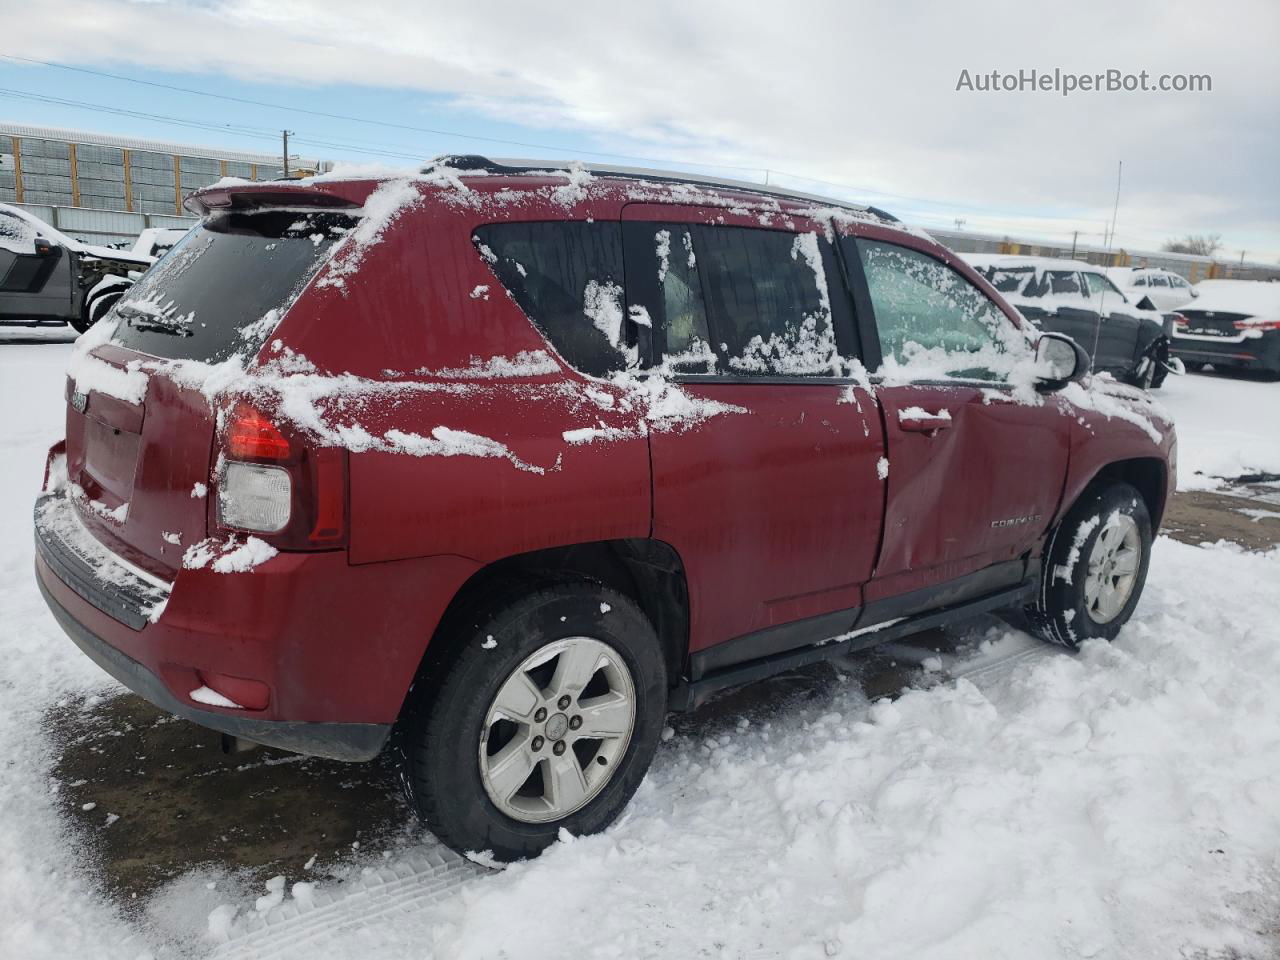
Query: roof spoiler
{"points": [[254, 196]]}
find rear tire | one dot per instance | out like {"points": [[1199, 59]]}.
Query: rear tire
{"points": [[507, 701], [1095, 567]]}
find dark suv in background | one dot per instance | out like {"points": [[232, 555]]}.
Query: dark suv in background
{"points": [[511, 461]]}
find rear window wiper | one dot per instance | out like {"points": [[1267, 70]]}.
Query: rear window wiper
{"points": [[155, 321], [153, 327]]}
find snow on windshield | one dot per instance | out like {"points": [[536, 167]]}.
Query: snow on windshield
{"points": [[17, 235]]}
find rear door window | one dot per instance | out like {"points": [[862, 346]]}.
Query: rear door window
{"points": [[567, 276], [1064, 281], [214, 294], [767, 300]]}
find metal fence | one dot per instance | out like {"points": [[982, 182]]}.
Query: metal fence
{"points": [[103, 227], [1193, 268]]}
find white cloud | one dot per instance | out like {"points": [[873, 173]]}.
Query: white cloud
{"points": [[861, 93]]}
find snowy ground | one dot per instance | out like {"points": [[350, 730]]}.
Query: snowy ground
{"points": [[1227, 426], [1122, 803]]}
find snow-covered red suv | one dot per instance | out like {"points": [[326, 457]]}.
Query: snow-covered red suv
{"points": [[513, 461]]}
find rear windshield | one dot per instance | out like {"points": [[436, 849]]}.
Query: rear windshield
{"points": [[203, 301]]}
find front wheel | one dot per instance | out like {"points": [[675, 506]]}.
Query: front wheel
{"points": [[1095, 567], [547, 717]]}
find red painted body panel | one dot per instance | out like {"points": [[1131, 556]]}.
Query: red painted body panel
{"points": [[488, 508], [748, 501], [1099, 440], [952, 491], [332, 642], [149, 457], [777, 513]]}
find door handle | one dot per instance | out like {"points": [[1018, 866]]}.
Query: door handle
{"points": [[918, 420]]}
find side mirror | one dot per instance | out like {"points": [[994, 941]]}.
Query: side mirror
{"points": [[1059, 361], [43, 247], [1194, 292]]}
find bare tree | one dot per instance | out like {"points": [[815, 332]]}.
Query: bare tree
{"points": [[1200, 244]]}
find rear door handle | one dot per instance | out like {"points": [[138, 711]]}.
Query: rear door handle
{"points": [[918, 420]]}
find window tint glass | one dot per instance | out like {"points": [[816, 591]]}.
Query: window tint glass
{"points": [[211, 295], [1140, 282], [1099, 285], [567, 277], [1010, 280], [1063, 281], [767, 297], [1159, 281], [930, 316], [686, 345]]}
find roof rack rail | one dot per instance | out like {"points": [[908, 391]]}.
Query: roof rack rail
{"points": [[515, 166]]}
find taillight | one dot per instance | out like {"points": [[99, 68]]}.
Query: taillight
{"points": [[253, 496], [251, 436], [274, 484], [1257, 324], [1179, 322]]}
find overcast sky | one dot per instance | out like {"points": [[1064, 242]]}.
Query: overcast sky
{"points": [[861, 94]]}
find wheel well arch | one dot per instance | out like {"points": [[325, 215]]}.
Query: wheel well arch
{"points": [[650, 572], [1148, 475]]}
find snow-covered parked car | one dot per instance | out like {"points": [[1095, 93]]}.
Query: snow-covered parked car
{"points": [[1076, 298], [497, 465], [46, 277], [1233, 323], [1152, 287]]}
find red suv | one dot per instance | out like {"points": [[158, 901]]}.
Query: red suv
{"points": [[514, 461]]}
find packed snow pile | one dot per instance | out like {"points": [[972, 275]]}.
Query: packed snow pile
{"points": [[233, 555]]}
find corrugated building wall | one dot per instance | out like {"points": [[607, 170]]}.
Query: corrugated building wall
{"points": [[106, 189]]}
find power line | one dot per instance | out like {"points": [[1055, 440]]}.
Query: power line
{"points": [[350, 118], [406, 152], [851, 188]]}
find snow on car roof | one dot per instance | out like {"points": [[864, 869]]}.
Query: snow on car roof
{"points": [[1014, 260], [1254, 297]]}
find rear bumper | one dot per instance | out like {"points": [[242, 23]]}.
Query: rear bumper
{"points": [[329, 649], [1255, 353], [339, 741]]}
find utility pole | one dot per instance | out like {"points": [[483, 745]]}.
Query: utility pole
{"points": [[285, 135], [1242, 253], [960, 222], [1075, 235]]}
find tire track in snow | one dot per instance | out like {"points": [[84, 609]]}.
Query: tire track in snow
{"points": [[433, 874]]}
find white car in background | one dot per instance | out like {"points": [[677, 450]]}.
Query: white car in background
{"points": [[1164, 289], [154, 242]]}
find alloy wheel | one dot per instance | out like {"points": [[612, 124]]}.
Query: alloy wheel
{"points": [[1113, 568], [557, 730]]}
